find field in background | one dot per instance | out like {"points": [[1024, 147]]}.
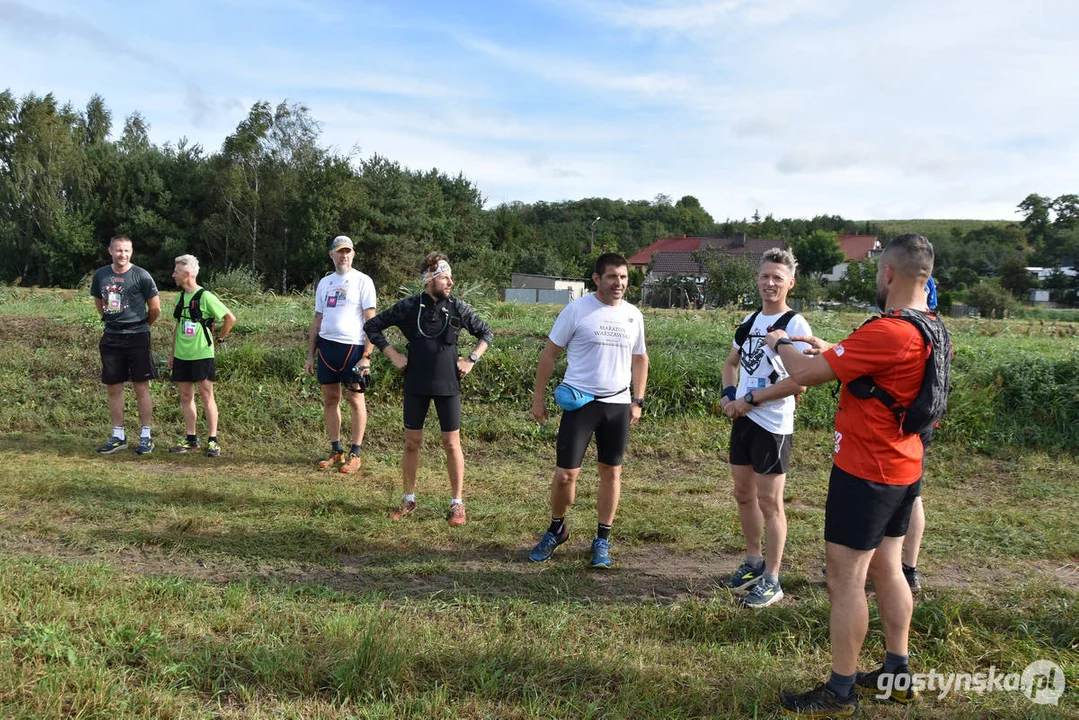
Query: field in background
{"points": [[254, 586], [936, 227]]}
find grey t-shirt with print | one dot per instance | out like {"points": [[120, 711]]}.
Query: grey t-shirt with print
{"points": [[123, 298]]}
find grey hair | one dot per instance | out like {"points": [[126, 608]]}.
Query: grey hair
{"points": [[190, 262], [780, 257], [911, 254]]}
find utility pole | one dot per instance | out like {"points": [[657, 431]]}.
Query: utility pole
{"points": [[592, 237]]}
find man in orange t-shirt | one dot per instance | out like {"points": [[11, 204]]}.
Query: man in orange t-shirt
{"points": [[875, 478]]}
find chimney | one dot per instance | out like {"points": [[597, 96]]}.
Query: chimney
{"points": [[739, 240]]}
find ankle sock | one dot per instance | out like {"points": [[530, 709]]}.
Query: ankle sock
{"points": [[118, 432], [456, 501], [603, 532], [557, 526], [193, 439], [772, 578], [841, 685], [755, 561], [893, 662], [212, 438], [411, 497], [355, 450], [145, 432], [335, 446]]}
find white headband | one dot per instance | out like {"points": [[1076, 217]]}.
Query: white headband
{"points": [[443, 267]]}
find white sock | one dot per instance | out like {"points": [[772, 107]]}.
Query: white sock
{"points": [[118, 432], [455, 501], [410, 498], [145, 431]]}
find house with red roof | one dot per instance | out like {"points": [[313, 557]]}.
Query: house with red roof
{"points": [[855, 249]]}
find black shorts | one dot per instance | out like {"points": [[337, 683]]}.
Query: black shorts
{"points": [[768, 453], [609, 422], [448, 408], [859, 514], [336, 360], [194, 370], [126, 357]]}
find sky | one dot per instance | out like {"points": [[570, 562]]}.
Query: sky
{"points": [[795, 108]]}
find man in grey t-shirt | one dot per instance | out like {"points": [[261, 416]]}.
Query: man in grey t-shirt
{"points": [[126, 298]]}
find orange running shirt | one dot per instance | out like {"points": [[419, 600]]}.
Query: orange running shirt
{"points": [[868, 441]]}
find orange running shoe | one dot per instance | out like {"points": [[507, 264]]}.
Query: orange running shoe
{"points": [[457, 514], [406, 509], [333, 460], [352, 464]]}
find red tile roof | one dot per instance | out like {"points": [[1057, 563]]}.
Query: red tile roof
{"points": [[683, 244], [670, 244], [676, 263], [857, 247]]}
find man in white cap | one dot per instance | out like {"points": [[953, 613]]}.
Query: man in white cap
{"points": [[344, 300]]}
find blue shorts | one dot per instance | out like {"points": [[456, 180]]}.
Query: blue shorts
{"points": [[336, 360]]}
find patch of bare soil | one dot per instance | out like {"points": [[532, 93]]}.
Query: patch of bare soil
{"points": [[645, 574]]}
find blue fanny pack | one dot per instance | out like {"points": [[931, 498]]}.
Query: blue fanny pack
{"points": [[570, 398]]}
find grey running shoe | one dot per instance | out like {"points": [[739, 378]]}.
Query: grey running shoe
{"points": [[744, 576], [114, 444], [763, 594]]}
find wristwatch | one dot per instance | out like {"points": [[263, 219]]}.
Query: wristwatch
{"points": [[474, 358], [782, 341], [748, 397], [639, 402]]}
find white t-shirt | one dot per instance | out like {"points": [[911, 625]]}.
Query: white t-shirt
{"points": [[600, 342], [756, 365], [342, 299]]}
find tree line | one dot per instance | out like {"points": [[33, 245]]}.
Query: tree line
{"points": [[268, 201]]}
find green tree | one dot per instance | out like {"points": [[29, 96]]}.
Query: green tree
{"points": [[731, 278], [818, 253], [1014, 277], [990, 298], [858, 284]]}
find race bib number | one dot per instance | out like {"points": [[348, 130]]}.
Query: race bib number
{"points": [[115, 302], [331, 301], [757, 383], [189, 328]]}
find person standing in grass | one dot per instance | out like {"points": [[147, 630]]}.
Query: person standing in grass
{"points": [[432, 323], [759, 396], [344, 299], [876, 473], [603, 337], [127, 300], [192, 359]]}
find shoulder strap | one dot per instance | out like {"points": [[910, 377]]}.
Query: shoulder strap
{"points": [[783, 321], [176, 311], [744, 329]]}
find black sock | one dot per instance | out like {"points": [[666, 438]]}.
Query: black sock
{"points": [[557, 526], [336, 446], [355, 449], [841, 685], [908, 569], [194, 439], [603, 532], [212, 438]]}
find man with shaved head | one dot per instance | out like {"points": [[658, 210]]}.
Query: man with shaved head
{"points": [[876, 475]]}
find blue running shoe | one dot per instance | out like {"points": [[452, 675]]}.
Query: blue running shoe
{"points": [[545, 547], [113, 445], [601, 553], [146, 446], [745, 576], [763, 594]]}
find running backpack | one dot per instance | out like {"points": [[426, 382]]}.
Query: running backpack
{"points": [[742, 333], [194, 311], [928, 407]]}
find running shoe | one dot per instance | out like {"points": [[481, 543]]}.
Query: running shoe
{"points": [[601, 553], [457, 514], [114, 444], [900, 684], [213, 448], [763, 594], [146, 446], [911, 574], [185, 446], [545, 547], [820, 702], [333, 460], [352, 464], [407, 507], [744, 576]]}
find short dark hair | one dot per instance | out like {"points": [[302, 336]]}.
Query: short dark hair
{"points": [[910, 254], [114, 238], [608, 260], [432, 259]]}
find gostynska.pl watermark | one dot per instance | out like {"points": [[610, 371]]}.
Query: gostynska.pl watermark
{"points": [[1042, 681]]}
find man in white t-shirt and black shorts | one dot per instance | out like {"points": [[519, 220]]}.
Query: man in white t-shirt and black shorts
{"points": [[606, 361], [344, 300], [759, 396]]}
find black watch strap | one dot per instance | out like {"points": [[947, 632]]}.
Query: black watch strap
{"points": [[639, 402]]}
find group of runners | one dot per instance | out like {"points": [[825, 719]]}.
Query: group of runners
{"points": [[877, 468]]}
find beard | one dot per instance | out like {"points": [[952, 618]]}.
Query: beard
{"points": [[440, 293]]}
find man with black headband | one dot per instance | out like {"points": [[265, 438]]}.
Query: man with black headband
{"points": [[343, 301], [432, 323]]}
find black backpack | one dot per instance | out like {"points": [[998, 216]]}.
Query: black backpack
{"points": [[928, 407], [742, 334], [194, 311]]}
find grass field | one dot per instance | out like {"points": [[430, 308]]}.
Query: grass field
{"points": [[254, 586]]}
